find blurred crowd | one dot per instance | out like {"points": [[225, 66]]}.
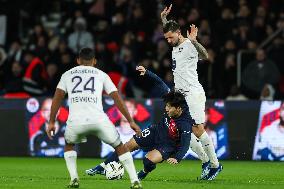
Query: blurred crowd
{"points": [[44, 37]]}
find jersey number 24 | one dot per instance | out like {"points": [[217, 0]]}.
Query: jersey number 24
{"points": [[88, 86]]}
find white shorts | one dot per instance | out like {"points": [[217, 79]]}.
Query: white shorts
{"points": [[103, 129], [196, 104]]}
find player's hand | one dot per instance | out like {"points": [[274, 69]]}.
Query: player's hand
{"points": [[50, 130], [141, 69], [136, 128], [165, 12], [193, 33], [172, 161]]}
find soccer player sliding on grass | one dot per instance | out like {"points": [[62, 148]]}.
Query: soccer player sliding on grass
{"points": [[169, 140]]}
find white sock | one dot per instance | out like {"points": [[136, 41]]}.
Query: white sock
{"points": [[70, 158], [196, 147], [209, 149], [103, 164], [127, 161]]}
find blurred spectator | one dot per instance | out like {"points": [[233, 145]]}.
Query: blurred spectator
{"points": [[66, 62], [235, 94], [35, 78], [118, 27], [267, 92], [53, 78], [276, 53], [59, 51], [14, 81], [16, 52], [121, 82], [258, 73], [41, 49], [80, 37], [37, 32], [3, 56], [224, 25]]}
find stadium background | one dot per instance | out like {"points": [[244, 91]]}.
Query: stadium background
{"points": [[244, 40], [243, 80]]}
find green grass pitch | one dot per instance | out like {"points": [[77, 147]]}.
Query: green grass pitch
{"points": [[47, 173]]}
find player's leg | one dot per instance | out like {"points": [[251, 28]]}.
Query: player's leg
{"points": [[71, 136], [196, 103], [131, 145], [208, 146], [106, 131], [70, 156], [149, 161], [196, 147]]}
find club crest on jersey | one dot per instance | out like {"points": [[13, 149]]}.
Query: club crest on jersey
{"points": [[180, 49]]}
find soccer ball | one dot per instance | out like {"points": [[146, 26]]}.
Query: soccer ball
{"points": [[114, 171]]}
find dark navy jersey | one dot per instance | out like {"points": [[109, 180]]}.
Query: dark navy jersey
{"points": [[172, 131]]}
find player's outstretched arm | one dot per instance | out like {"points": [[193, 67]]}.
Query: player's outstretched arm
{"points": [[157, 81], [56, 102], [122, 108], [202, 52], [185, 134], [165, 13]]}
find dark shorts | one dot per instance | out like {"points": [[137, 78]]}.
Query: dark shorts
{"points": [[148, 142]]}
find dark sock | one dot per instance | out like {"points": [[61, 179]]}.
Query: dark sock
{"points": [[148, 165], [112, 157]]}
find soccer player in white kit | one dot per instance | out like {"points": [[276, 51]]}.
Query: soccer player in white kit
{"points": [[185, 55], [84, 85]]}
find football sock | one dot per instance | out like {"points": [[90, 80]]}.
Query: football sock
{"points": [[209, 149], [196, 147], [70, 159], [127, 161], [112, 157], [148, 165]]}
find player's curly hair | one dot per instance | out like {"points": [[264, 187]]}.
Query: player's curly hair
{"points": [[172, 26], [175, 98]]}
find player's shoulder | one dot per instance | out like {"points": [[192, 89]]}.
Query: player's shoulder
{"points": [[187, 41], [183, 120], [188, 44]]}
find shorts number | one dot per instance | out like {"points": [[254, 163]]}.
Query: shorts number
{"points": [[145, 133], [89, 85]]}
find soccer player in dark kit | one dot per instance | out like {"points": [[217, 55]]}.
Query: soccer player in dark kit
{"points": [[169, 140]]}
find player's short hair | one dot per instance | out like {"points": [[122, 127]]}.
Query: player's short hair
{"points": [[86, 53], [175, 98], [172, 26]]}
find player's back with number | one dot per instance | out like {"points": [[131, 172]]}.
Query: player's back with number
{"points": [[85, 85]]}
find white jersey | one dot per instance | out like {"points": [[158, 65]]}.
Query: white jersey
{"points": [[272, 137], [85, 85], [185, 58]]}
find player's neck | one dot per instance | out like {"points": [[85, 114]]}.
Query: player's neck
{"points": [[87, 65], [181, 40]]}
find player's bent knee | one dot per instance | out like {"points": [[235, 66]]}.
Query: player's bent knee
{"points": [[116, 143], [131, 145], [148, 165], [68, 147], [198, 130]]}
